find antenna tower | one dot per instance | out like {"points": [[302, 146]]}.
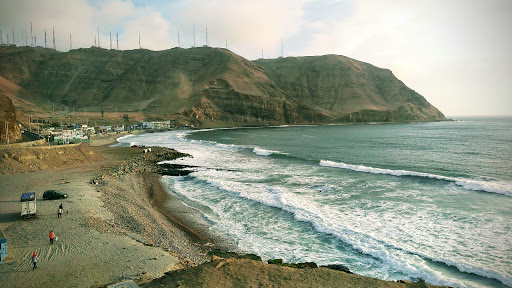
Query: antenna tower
{"points": [[45, 43], [261, 53], [179, 43], [117, 39], [206, 36], [70, 46], [13, 42], [140, 46], [226, 42], [282, 54], [99, 45], [35, 41], [31, 36], [110, 40], [95, 40], [194, 35], [26, 38], [7, 38], [1, 38], [54, 47]]}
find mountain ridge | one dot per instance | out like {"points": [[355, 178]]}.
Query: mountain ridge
{"points": [[214, 87]]}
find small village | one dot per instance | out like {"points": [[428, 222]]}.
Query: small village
{"points": [[35, 134]]}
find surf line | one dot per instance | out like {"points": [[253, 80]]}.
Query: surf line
{"points": [[468, 184]]}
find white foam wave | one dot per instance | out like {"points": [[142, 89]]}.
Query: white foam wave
{"points": [[499, 187], [263, 152]]}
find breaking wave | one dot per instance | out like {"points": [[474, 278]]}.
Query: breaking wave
{"points": [[499, 187]]}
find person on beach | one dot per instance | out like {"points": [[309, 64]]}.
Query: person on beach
{"points": [[60, 212], [34, 260], [52, 237]]}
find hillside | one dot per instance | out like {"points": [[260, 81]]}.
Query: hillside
{"points": [[348, 89], [212, 86]]}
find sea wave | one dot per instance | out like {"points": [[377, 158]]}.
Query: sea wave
{"points": [[263, 152], [405, 261], [498, 187]]}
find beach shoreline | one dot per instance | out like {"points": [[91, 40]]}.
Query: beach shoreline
{"points": [[121, 222]]}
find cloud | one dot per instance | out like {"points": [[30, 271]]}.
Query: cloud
{"points": [[249, 26], [82, 20]]}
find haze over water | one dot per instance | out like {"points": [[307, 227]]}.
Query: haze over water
{"points": [[393, 201]]}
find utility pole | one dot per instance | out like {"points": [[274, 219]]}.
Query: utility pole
{"points": [[7, 133]]}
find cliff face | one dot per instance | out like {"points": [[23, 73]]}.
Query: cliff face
{"points": [[214, 87], [348, 90], [8, 117]]}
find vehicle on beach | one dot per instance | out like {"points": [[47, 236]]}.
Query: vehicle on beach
{"points": [[54, 194], [28, 205]]}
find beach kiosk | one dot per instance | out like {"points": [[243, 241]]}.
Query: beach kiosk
{"points": [[28, 205], [3, 247]]}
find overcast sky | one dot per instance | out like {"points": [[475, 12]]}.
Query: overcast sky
{"points": [[456, 53]]}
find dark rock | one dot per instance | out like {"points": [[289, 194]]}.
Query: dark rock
{"points": [[338, 267], [275, 261]]}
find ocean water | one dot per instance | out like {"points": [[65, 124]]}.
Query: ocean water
{"points": [[392, 201]]}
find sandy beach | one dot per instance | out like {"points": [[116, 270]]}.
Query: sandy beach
{"points": [[120, 223], [108, 232]]}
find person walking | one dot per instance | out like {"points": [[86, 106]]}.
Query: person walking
{"points": [[34, 260], [52, 237], [59, 214]]}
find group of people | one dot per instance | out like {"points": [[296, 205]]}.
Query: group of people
{"points": [[52, 237]]}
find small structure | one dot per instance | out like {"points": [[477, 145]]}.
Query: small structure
{"points": [[3, 247], [28, 205]]}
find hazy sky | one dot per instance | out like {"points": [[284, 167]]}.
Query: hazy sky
{"points": [[456, 53]]}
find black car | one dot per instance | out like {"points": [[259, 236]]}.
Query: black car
{"points": [[54, 194]]}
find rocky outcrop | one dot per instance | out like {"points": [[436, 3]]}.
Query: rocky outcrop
{"points": [[8, 122], [214, 87]]}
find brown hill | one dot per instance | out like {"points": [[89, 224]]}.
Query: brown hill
{"points": [[213, 87]]}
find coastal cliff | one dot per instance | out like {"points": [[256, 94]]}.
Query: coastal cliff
{"points": [[213, 87]]}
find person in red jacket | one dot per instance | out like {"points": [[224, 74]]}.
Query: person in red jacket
{"points": [[52, 237], [34, 260]]}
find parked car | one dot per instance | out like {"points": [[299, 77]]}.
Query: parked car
{"points": [[54, 194]]}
